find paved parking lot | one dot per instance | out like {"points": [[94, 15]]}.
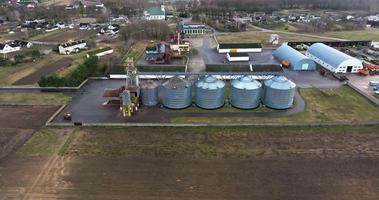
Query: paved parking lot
{"points": [[362, 82], [308, 79], [206, 47]]}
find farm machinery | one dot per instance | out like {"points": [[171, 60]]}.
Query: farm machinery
{"points": [[369, 69]]}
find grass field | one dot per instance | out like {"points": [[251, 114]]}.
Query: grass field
{"points": [[372, 34], [342, 104], [201, 142], [34, 98], [11, 74], [195, 163], [260, 37]]}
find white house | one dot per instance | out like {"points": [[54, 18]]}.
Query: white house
{"points": [[13, 46], [332, 59], [72, 47], [155, 13], [6, 48]]}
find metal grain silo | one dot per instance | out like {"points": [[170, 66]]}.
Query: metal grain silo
{"points": [[209, 93], [149, 93], [279, 92], [245, 93], [177, 93]]}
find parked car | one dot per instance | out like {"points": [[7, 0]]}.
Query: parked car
{"points": [[373, 83]]}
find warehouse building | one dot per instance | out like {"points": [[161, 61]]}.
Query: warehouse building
{"points": [[191, 29], [239, 48], [332, 59], [296, 60], [237, 57]]}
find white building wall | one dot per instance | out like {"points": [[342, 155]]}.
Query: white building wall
{"points": [[341, 68], [249, 50]]}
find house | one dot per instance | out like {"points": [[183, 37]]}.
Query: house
{"points": [[6, 48], [72, 47], [156, 52], [155, 13], [332, 59], [239, 48], [191, 29], [13, 46]]}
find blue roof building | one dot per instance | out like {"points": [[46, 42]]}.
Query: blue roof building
{"points": [[332, 59], [296, 60]]}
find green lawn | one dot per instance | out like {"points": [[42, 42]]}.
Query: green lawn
{"points": [[34, 98], [371, 34], [340, 105]]}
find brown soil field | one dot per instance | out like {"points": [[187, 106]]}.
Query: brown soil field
{"points": [[47, 69], [18, 123], [66, 35], [198, 163]]}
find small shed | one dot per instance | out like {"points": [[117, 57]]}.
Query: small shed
{"points": [[237, 57]]}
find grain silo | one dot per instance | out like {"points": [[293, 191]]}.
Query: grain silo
{"points": [[245, 93], [177, 93], [149, 93], [279, 92], [209, 93]]}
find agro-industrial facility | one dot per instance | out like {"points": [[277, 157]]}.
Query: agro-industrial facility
{"points": [[209, 93], [332, 59]]}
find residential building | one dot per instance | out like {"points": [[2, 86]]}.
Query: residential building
{"points": [[72, 47]]}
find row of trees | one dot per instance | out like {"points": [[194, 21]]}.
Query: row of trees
{"points": [[270, 5], [87, 69], [152, 30]]}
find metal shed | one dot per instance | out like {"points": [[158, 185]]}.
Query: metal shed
{"points": [[297, 61], [279, 92], [332, 59], [177, 93], [209, 93], [245, 93]]}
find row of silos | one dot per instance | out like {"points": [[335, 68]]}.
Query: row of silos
{"points": [[246, 93]]}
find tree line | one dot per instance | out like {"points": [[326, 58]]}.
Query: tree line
{"points": [[272, 5], [86, 69]]}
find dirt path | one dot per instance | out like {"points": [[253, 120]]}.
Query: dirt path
{"points": [[46, 69], [46, 184]]}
